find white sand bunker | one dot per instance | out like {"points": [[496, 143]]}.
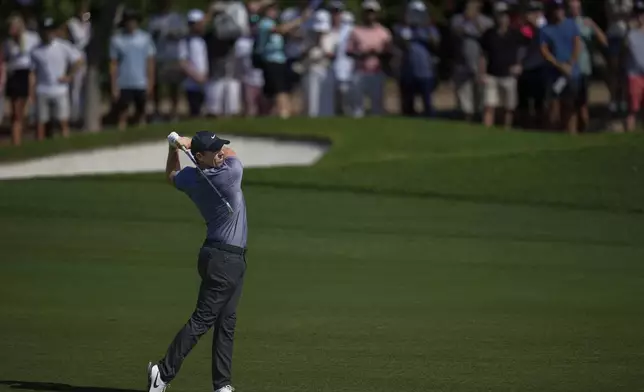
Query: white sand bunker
{"points": [[150, 157]]}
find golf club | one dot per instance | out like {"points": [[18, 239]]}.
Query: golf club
{"points": [[173, 139]]}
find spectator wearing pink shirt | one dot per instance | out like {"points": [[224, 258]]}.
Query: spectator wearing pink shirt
{"points": [[370, 45]]}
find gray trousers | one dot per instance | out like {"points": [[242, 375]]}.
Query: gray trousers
{"points": [[222, 276]]}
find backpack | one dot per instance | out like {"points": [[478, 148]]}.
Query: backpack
{"points": [[225, 28]]}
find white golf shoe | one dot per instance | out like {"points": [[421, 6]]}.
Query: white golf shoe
{"points": [[155, 384], [227, 388]]}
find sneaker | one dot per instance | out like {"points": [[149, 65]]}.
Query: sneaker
{"points": [[227, 388], [155, 384]]}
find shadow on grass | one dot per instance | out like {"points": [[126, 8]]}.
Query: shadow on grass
{"points": [[57, 387]]}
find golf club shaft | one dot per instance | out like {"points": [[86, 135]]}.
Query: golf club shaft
{"points": [[192, 158]]}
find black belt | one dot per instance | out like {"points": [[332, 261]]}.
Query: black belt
{"points": [[225, 247]]}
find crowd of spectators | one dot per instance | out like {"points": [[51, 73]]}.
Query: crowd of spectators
{"points": [[251, 59]]}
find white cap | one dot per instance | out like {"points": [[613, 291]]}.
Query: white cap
{"points": [[371, 5], [347, 17], [417, 6], [321, 21], [195, 16]]}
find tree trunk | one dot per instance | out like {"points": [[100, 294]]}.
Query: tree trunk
{"points": [[96, 55]]}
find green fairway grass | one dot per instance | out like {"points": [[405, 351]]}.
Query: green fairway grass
{"points": [[416, 256]]}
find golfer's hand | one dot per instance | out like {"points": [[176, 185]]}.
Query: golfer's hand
{"points": [[65, 79], [184, 142], [116, 94]]}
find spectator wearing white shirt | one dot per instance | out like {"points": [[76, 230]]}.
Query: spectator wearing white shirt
{"points": [[79, 33], [343, 66], [51, 61], [319, 82], [193, 56], [17, 72], [167, 28]]}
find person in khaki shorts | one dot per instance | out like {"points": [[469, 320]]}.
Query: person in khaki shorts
{"points": [[54, 63], [500, 67]]}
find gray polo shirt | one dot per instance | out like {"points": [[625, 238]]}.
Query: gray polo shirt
{"points": [[221, 225], [469, 46]]}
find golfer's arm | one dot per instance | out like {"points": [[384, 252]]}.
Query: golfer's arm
{"points": [[172, 166]]}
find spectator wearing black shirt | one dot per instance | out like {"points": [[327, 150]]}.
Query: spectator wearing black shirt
{"points": [[532, 83], [500, 66]]}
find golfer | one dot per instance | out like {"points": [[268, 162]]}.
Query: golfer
{"points": [[221, 262]]}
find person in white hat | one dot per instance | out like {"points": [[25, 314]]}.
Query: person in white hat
{"points": [[193, 56], [370, 45], [319, 86]]}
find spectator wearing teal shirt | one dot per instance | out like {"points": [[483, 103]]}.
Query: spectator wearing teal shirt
{"points": [[589, 31], [270, 50]]}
